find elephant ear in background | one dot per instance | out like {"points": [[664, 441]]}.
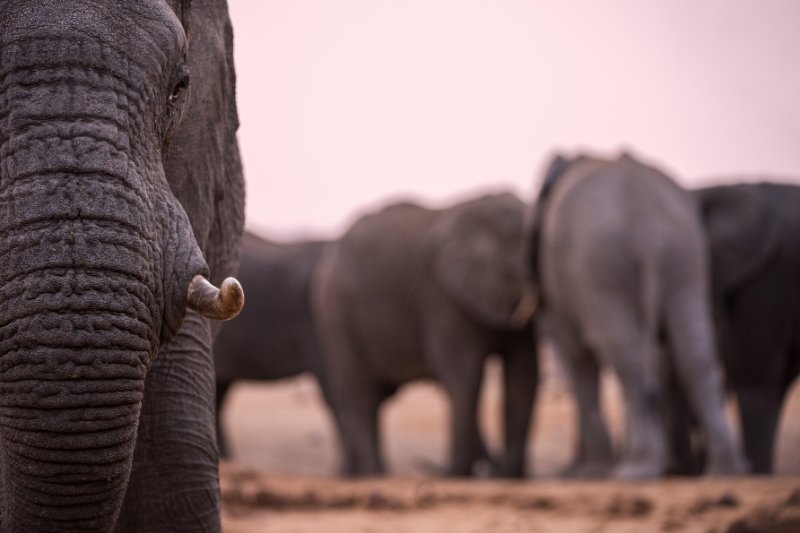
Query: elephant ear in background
{"points": [[742, 233], [557, 168], [479, 261]]}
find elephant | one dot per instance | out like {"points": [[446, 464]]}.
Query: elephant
{"points": [[411, 293], [121, 211], [274, 336], [618, 258], [753, 232]]}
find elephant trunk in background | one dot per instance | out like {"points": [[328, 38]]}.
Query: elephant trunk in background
{"points": [[525, 310], [94, 273]]}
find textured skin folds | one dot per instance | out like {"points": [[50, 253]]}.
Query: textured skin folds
{"points": [[79, 302], [96, 254], [177, 440]]}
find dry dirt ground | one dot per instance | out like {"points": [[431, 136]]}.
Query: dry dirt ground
{"points": [[282, 477]]}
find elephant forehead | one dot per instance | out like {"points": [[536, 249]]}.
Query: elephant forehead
{"points": [[142, 33]]}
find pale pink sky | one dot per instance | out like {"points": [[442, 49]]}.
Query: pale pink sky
{"points": [[345, 104]]}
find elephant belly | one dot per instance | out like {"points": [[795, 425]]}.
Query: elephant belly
{"points": [[390, 347]]}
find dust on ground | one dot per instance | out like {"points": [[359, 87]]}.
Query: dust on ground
{"points": [[283, 478]]}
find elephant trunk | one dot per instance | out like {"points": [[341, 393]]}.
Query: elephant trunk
{"points": [[68, 433], [525, 310], [83, 295], [80, 316], [75, 344]]}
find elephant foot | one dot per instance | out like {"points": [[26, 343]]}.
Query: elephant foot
{"points": [[504, 471], [485, 469], [483, 466], [732, 466], [428, 467], [502, 467], [353, 471], [638, 470], [463, 471], [587, 470]]}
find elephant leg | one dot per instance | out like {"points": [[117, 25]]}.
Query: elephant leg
{"points": [[357, 421], [347, 466], [520, 380], [482, 454], [593, 456], [759, 410], [620, 341], [352, 393], [222, 443], [355, 399], [459, 364], [690, 338], [686, 457], [174, 484], [465, 440]]}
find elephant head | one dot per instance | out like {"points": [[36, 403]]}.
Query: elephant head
{"points": [[479, 260], [98, 260], [743, 233]]}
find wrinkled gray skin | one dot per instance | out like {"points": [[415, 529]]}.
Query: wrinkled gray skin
{"points": [[411, 293], [754, 241], [107, 409], [274, 337], [622, 266]]}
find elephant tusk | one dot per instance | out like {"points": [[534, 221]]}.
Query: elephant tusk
{"points": [[220, 304], [524, 312]]}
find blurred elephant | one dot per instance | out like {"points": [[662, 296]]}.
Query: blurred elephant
{"points": [[754, 241], [120, 189], [273, 337], [618, 253], [411, 293]]}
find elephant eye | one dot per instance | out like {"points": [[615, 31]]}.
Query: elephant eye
{"points": [[180, 84]]}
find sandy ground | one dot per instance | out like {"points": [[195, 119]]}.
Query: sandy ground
{"points": [[283, 475]]}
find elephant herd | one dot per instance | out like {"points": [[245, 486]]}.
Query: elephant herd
{"points": [[685, 295]]}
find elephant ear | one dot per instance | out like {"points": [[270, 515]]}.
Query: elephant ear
{"points": [[558, 167], [742, 231], [480, 265]]}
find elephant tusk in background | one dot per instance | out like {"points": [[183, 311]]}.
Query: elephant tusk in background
{"points": [[524, 311], [220, 304]]}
